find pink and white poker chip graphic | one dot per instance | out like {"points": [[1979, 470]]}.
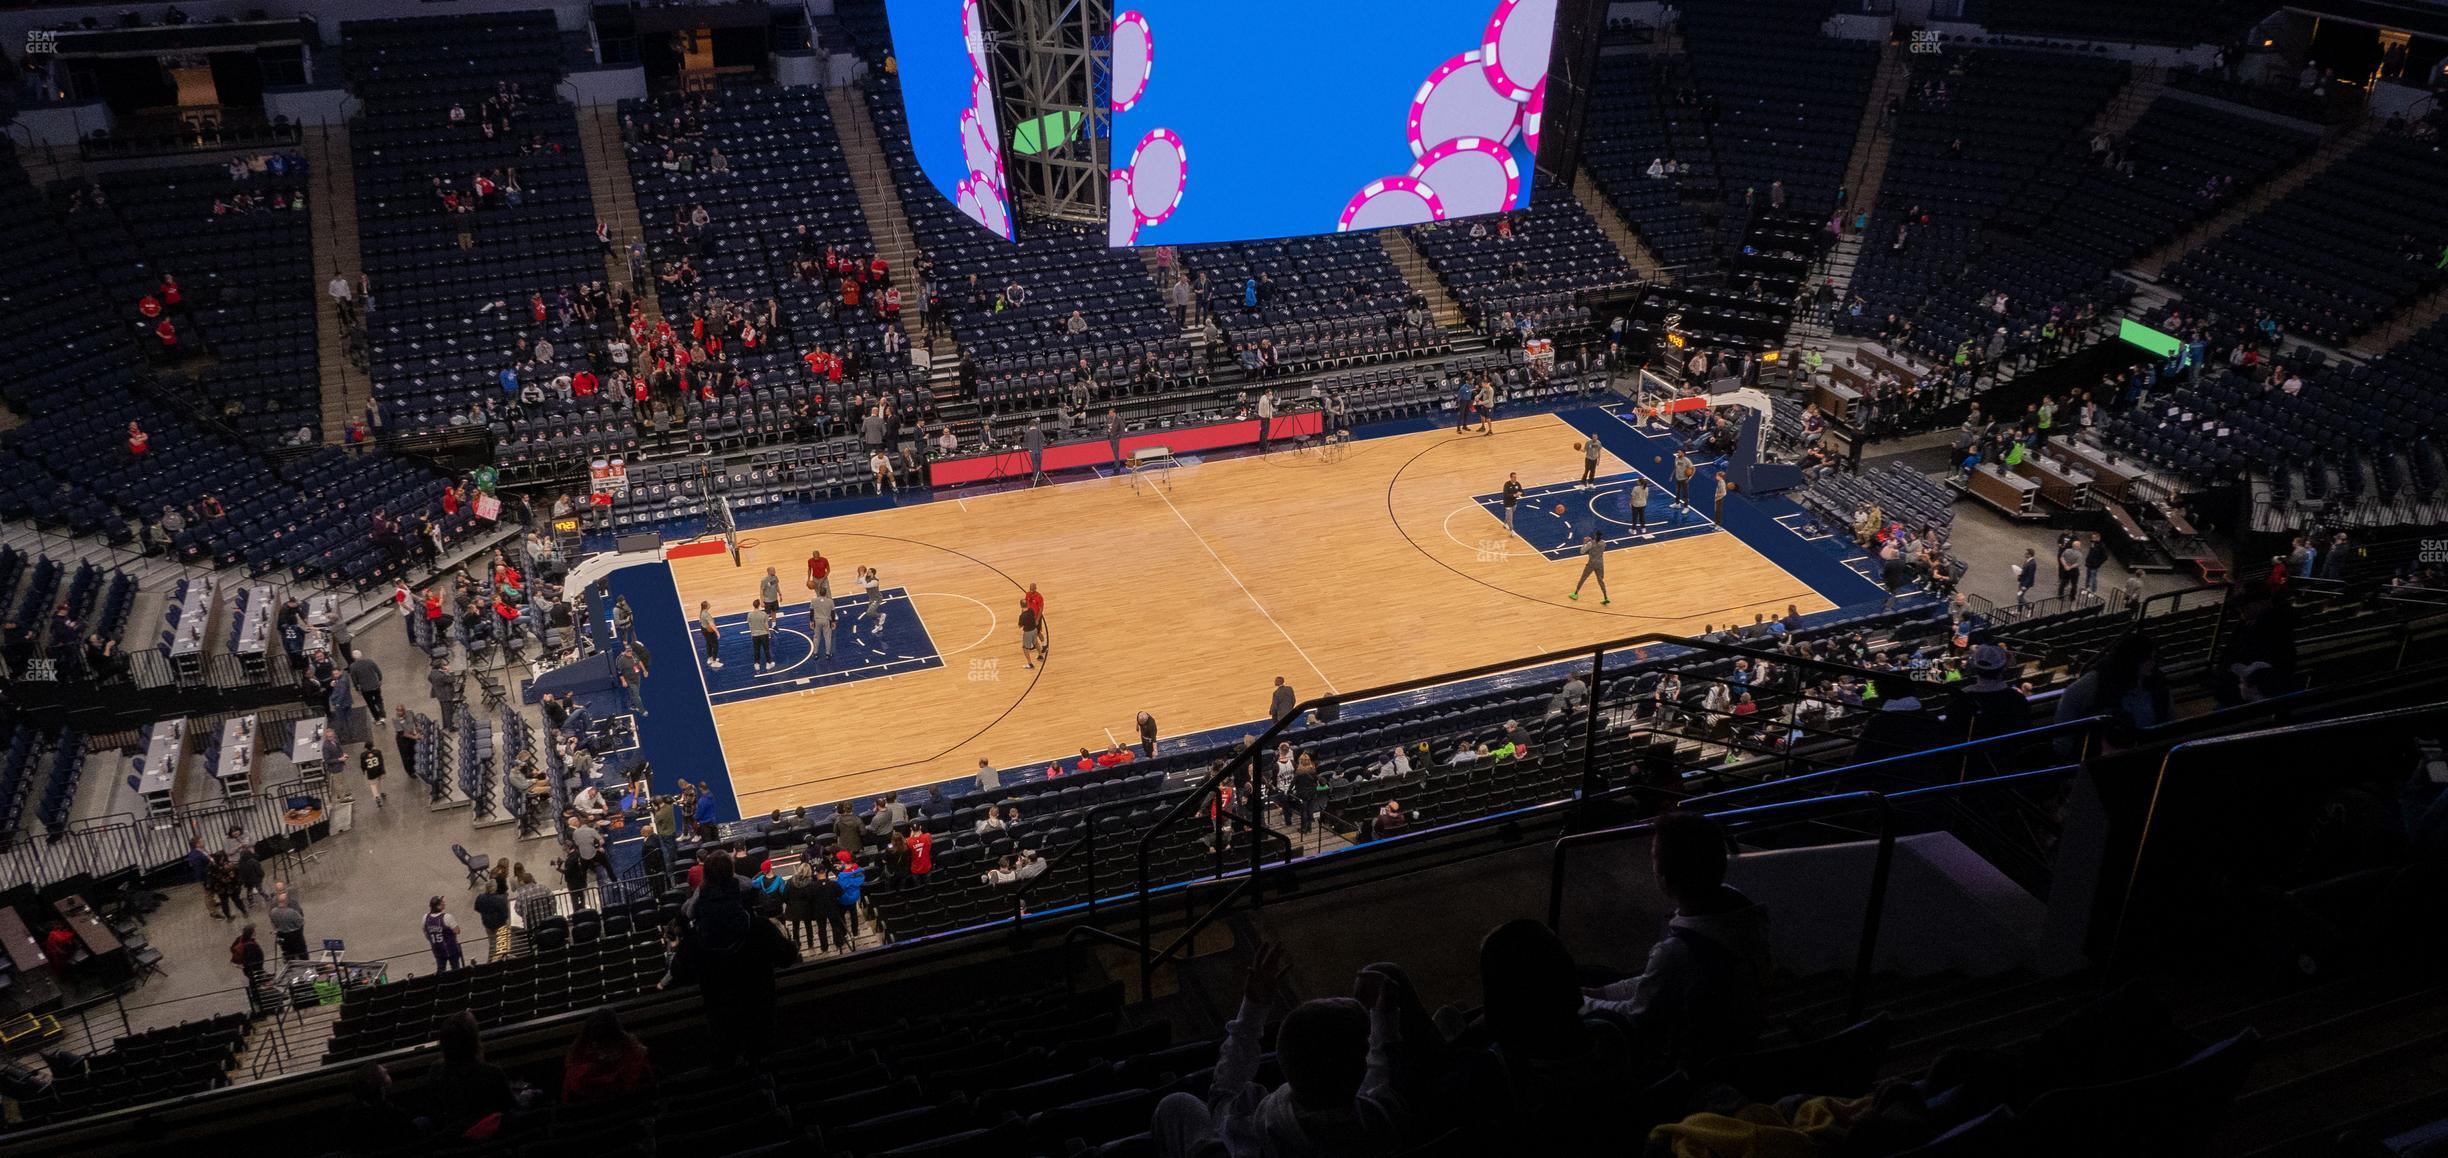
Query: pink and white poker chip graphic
{"points": [[980, 199], [1134, 59], [1121, 217], [1516, 47], [1159, 168], [1458, 100], [1532, 113], [977, 149], [1391, 201], [973, 33], [1471, 175]]}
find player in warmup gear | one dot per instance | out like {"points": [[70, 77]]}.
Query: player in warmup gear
{"points": [[1034, 603], [1512, 497], [1594, 566], [1590, 450], [713, 636]]}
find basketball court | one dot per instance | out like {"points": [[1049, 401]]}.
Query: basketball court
{"points": [[1384, 561]]}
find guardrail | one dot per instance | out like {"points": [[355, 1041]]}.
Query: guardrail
{"points": [[1241, 769]]}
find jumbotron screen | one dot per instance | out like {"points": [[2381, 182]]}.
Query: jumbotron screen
{"points": [[939, 46], [1281, 118]]}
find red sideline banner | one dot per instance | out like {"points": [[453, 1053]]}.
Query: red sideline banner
{"points": [[1084, 453], [713, 546]]}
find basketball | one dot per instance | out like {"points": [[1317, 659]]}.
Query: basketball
{"points": [[1576, 446]]}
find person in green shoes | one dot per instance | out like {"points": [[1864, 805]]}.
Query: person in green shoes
{"points": [[1593, 565]]}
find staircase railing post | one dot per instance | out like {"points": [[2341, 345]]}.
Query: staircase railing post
{"points": [[1592, 779]]}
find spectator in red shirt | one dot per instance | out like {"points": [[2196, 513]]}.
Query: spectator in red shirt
{"points": [[584, 383], [59, 946], [138, 441], [169, 291], [168, 334], [922, 852], [450, 500]]}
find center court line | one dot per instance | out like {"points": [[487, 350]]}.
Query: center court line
{"points": [[1253, 596]]}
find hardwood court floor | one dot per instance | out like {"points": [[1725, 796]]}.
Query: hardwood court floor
{"points": [[1187, 603]]}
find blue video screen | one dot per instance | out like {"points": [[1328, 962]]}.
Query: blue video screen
{"points": [[939, 48], [1282, 118]]}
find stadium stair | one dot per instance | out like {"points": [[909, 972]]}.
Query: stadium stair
{"points": [[1616, 229], [2126, 108], [615, 199], [2156, 263], [1873, 140], [871, 176], [1423, 280], [333, 198]]}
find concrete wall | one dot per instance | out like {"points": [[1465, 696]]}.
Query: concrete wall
{"points": [[309, 106], [1947, 910], [603, 86], [60, 124], [2390, 97], [329, 15]]}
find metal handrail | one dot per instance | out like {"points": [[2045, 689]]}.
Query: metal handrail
{"points": [[1864, 953], [1243, 763], [2168, 759], [2085, 727]]}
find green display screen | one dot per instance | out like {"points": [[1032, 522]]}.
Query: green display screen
{"points": [[2164, 345], [1051, 131]]}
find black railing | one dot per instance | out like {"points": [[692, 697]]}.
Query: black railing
{"points": [[1242, 769], [1750, 819], [2248, 749]]}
